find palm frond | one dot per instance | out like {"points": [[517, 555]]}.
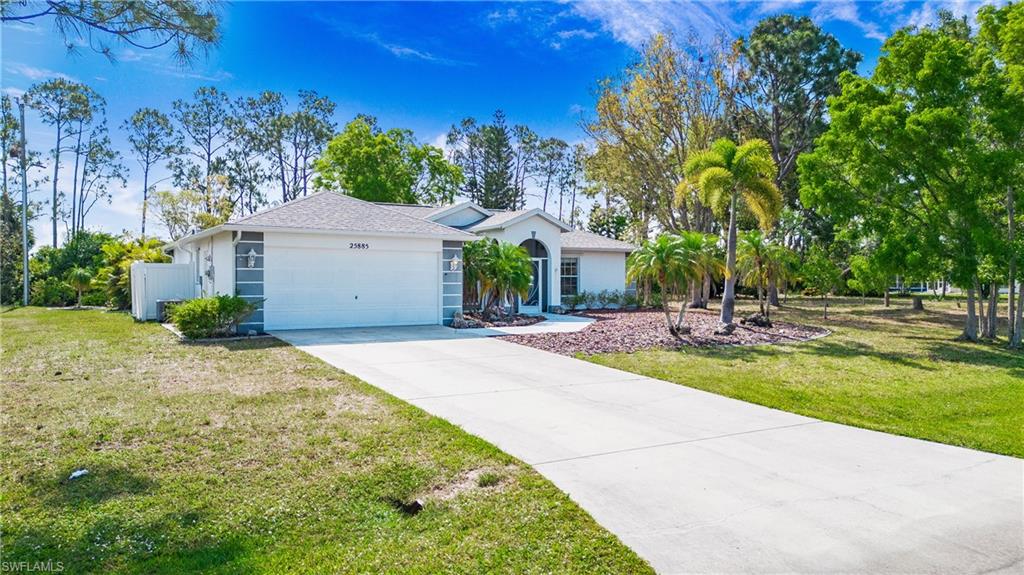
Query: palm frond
{"points": [[764, 200]]}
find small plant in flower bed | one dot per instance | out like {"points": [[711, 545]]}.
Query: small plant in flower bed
{"points": [[208, 317], [474, 319]]}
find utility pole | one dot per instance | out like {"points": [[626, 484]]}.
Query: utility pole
{"points": [[24, 205]]}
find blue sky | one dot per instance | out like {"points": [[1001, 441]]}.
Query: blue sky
{"points": [[420, 66]]}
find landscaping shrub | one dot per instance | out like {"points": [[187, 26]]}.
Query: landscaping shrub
{"points": [[94, 298], [52, 292], [572, 302], [211, 316], [589, 299], [606, 298], [118, 256]]}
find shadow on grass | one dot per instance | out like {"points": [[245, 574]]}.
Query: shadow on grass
{"points": [[157, 547], [987, 354], [820, 347], [103, 482], [256, 343]]}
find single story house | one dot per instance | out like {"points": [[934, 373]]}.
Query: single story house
{"points": [[331, 260]]}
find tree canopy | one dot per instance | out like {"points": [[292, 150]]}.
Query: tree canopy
{"points": [[386, 166]]}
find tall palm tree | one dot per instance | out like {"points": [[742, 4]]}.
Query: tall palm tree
{"points": [[752, 264], [667, 263], [725, 175]]}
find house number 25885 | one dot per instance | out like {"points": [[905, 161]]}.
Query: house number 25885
{"points": [[358, 246]]}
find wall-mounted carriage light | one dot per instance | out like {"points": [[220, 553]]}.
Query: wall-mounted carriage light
{"points": [[250, 258]]}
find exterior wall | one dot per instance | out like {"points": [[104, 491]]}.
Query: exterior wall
{"points": [[464, 217], [451, 278], [249, 281], [212, 262], [600, 271], [223, 264], [321, 280], [547, 234]]}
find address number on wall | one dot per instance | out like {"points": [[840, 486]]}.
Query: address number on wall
{"points": [[358, 246]]}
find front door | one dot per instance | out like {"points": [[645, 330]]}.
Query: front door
{"points": [[533, 303]]}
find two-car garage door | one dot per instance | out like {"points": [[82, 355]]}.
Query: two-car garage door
{"points": [[349, 284]]}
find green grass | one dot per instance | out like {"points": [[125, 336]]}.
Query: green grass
{"points": [[252, 457], [892, 370]]}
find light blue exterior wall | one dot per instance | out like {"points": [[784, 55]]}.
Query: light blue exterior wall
{"points": [[249, 281], [451, 281]]}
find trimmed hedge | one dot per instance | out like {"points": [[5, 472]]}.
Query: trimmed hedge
{"points": [[216, 316]]}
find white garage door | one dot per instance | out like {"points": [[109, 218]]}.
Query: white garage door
{"points": [[325, 287]]}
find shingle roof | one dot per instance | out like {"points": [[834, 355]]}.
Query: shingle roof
{"points": [[586, 241], [415, 210], [497, 219], [332, 211]]}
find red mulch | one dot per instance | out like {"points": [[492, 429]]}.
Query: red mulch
{"points": [[629, 331]]}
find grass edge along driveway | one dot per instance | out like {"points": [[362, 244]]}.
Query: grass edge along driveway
{"points": [[250, 457], [893, 370]]}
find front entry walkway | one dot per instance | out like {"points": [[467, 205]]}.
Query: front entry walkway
{"points": [[696, 482]]}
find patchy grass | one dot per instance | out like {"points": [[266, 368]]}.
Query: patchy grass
{"points": [[892, 370], [252, 457]]}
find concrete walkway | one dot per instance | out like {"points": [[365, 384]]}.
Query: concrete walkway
{"points": [[553, 323], [696, 482]]}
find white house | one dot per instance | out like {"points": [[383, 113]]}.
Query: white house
{"points": [[331, 260]]}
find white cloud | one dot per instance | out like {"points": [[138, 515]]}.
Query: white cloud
{"points": [[14, 92], [179, 72], [35, 73], [847, 11], [633, 23], [576, 33], [927, 13]]}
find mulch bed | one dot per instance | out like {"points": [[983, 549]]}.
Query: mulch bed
{"points": [[629, 331], [476, 320]]}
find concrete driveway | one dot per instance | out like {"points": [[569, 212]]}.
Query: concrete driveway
{"points": [[696, 482]]}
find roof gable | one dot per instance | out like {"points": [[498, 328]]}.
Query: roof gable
{"points": [[501, 220]]}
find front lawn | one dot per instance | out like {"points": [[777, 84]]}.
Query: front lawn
{"points": [[252, 457], [892, 370]]}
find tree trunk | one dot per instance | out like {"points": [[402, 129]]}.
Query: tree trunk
{"points": [[694, 290], [980, 302], [74, 177], [1018, 322], [971, 328], [1010, 233], [773, 292], [668, 313], [729, 295], [705, 294], [825, 313], [992, 323], [56, 171], [885, 297], [145, 198], [918, 303]]}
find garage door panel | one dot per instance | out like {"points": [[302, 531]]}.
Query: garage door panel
{"points": [[309, 288]]}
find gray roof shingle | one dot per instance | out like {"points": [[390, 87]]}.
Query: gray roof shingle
{"points": [[586, 241], [332, 211], [497, 219]]}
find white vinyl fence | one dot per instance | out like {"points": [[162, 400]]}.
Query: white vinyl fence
{"points": [[152, 282]]}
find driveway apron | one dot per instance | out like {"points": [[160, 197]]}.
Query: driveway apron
{"points": [[700, 483]]}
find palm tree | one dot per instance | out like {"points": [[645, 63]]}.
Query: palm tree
{"points": [[473, 268], [506, 272], [725, 175], [752, 263], [783, 268], [708, 264], [80, 279], [665, 261]]}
